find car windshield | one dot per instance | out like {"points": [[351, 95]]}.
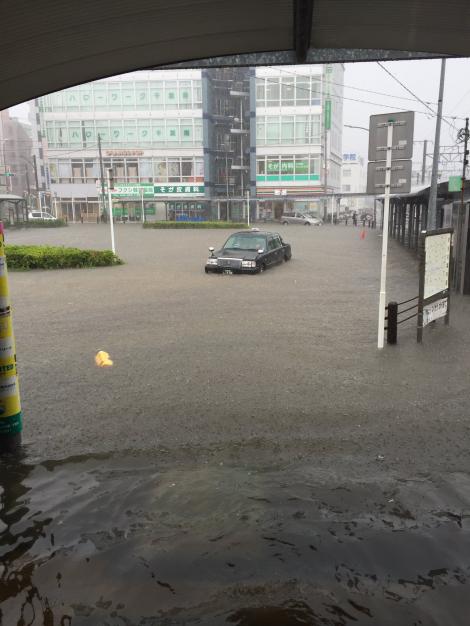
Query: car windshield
{"points": [[245, 242]]}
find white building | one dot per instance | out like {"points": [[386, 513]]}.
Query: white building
{"points": [[354, 180], [299, 121], [150, 126]]}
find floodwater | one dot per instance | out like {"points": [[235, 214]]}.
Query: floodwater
{"points": [[143, 538]]}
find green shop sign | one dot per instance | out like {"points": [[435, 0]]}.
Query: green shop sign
{"points": [[152, 191], [133, 191], [165, 190], [288, 167]]}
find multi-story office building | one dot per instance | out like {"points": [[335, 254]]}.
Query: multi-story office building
{"points": [[150, 127], [298, 136], [16, 164], [194, 142]]}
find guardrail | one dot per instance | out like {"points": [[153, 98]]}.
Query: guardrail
{"points": [[392, 317]]}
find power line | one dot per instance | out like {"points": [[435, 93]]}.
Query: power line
{"points": [[413, 94], [377, 104], [377, 93]]}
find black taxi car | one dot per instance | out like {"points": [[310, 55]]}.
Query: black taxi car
{"points": [[250, 251]]}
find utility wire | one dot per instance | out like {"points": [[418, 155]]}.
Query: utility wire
{"points": [[413, 94], [377, 93], [377, 104]]}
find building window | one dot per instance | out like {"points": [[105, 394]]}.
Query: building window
{"points": [[272, 92], [287, 130], [77, 170], [288, 92], [346, 173], [160, 170], [260, 92], [132, 171], [174, 171], [346, 188], [187, 174], [272, 130]]}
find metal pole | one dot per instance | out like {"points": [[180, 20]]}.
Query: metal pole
{"points": [[10, 418], [423, 167], [101, 171], [325, 201], [435, 164], [226, 176], [392, 323], [241, 148], [35, 166], [248, 207], [463, 235], [110, 209], [383, 270], [143, 209]]}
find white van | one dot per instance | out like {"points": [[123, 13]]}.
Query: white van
{"points": [[40, 215]]}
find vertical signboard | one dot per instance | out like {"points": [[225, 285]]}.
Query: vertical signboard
{"points": [[434, 278], [327, 114]]}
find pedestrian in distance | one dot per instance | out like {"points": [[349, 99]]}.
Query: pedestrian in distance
{"points": [[346, 220], [354, 217], [81, 218]]}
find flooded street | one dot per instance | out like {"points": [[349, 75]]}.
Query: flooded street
{"points": [[146, 539], [270, 469]]}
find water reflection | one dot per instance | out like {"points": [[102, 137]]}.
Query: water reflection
{"points": [[148, 539]]}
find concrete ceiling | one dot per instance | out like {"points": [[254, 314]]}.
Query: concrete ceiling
{"points": [[47, 45]]}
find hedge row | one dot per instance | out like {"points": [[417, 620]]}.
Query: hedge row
{"points": [[165, 224], [55, 257], [39, 224]]}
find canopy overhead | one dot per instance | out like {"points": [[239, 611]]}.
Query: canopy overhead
{"points": [[49, 45]]}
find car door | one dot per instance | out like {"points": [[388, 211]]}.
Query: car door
{"points": [[279, 252], [271, 255]]}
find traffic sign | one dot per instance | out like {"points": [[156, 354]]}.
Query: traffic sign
{"points": [[400, 181], [402, 140]]}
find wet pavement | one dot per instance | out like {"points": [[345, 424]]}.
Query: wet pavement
{"points": [[134, 539], [250, 459]]}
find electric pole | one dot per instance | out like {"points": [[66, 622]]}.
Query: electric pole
{"points": [[463, 221], [432, 208]]}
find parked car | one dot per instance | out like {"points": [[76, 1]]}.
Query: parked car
{"points": [[40, 215], [300, 218], [250, 252]]}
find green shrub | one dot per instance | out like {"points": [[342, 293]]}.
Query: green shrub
{"points": [[165, 224], [55, 257], [39, 224]]}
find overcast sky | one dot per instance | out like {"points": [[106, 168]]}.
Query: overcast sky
{"points": [[422, 77]]}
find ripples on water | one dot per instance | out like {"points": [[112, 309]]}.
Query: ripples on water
{"points": [[131, 540]]}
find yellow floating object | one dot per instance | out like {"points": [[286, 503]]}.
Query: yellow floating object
{"points": [[102, 359]]}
